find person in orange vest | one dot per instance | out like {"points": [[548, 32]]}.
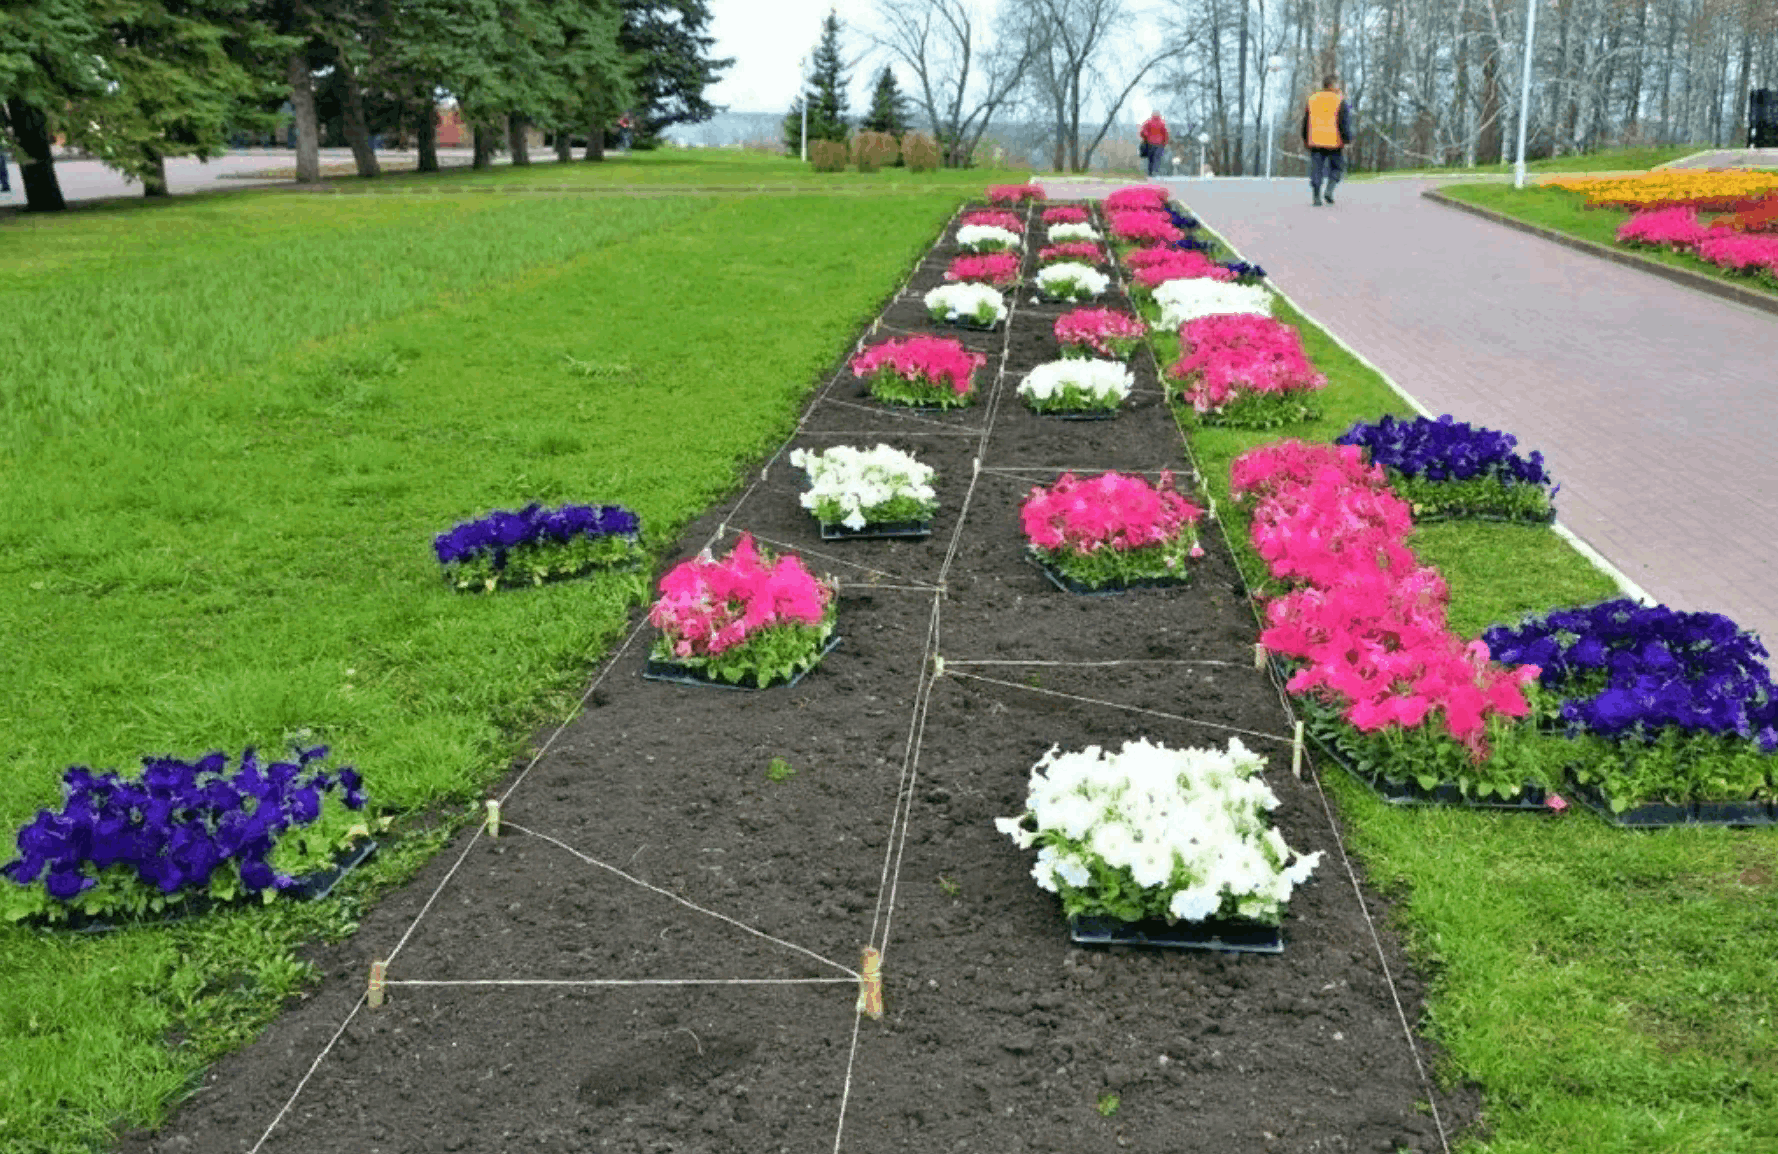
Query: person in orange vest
{"points": [[1327, 130], [1154, 142]]}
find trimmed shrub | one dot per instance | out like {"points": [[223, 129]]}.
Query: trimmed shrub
{"points": [[919, 152], [874, 150], [827, 155]]}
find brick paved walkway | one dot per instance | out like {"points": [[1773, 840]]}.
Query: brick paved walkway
{"points": [[1656, 406]]}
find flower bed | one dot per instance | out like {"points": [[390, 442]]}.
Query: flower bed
{"points": [[1245, 371], [1099, 333], [748, 618], [1187, 300], [1014, 193], [1175, 264], [1137, 226], [180, 834], [1658, 706], [996, 268], [859, 489], [1077, 386], [1078, 251], [1065, 214], [1151, 834], [1743, 253], [535, 545], [1139, 198], [976, 306], [926, 372], [1078, 233], [1718, 190], [981, 238], [1112, 531], [1071, 282], [1367, 621], [1446, 468], [1008, 221], [1677, 228]]}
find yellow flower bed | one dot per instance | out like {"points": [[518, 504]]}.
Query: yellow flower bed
{"points": [[1720, 190]]}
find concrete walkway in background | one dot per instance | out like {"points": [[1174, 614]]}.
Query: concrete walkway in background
{"points": [[1656, 406]]}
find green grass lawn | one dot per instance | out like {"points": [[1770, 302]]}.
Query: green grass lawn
{"points": [[231, 426], [1609, 990], [1566, 212], [1606, 160]]}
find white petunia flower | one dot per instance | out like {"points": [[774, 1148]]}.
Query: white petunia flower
{"points": [[1067, 233], [1187, 300], [1071, 280], [987, 238], [1104, 382], [847, 483], [979, 303]]}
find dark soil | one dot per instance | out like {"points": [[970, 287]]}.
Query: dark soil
{"points": [[999, 1035]]}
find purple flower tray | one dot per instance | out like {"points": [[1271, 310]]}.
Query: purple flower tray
{"points": [[1665, 815], [1229, 936]]}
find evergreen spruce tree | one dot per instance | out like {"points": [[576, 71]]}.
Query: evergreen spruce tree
{"points": [[793, 128], [888, 106], [826, 91]]}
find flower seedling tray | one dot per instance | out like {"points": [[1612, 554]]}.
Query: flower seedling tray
{"points": [[973, 326], [914, 530], [309, 887], [1493, 518], [1230, 936], [1531, 798], [1080, 414], [1069, 585], [633, 564], [1666, 815], [675, 673]]}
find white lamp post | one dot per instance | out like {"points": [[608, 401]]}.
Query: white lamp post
{"points": [[1525, 91], [802, 79], [1203, 145], [1272, 67]]}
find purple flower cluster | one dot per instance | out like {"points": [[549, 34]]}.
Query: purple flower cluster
{"points": [[500, 531], [178, 824], [1244, 271], [1445, 449], [1625, 669], [1182, 221]]}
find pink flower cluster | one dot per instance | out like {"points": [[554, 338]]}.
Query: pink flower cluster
{"points": [[1228, 354], [1742, 252], [1676, 227], [1084, 251], [1367, 617], [1111, 511], [1179, 264], [1065, 214], [1092, 328], [1014, 193], [1010, 221], [708, 606], [1151, 197], [1142, 226], [995, 268], [934, 360]]}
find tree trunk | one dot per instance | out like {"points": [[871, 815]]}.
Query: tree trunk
{"points": [[595, 143], [484, 146], [1633, 98], [564, 150], [1241, 89], [426, 134], [156, 185], [515, 139], [357, 130], [308, 129], [37, 162]]}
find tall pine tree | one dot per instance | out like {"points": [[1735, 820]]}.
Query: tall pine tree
{"points": [[670, 46], [826, 91], [888, 106]]}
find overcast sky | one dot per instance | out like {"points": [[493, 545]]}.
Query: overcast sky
{"points": [[769, 41]]}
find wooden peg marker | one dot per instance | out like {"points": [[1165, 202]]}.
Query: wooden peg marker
{"points": [[379, 972], [1296, 753], [1259, 655], [870, 984], [493, 818]]}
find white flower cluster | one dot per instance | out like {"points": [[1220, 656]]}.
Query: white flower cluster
{"points": [[987, 238], [1101, 380], [858, 480], [1068, 279], [1194, 297], [1187, 823], [966, 301], [1063, 233]]}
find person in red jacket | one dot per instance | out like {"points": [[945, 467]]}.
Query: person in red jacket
{"points": [[1327, 130], [1154, 142]]}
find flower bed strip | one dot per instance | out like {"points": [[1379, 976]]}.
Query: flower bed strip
{"points": [[1662, 815], [678, 673], [1224, 935]]}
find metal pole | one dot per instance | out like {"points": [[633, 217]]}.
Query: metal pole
{"points": [[1525, 92], [803, 67], [1272, 66]]}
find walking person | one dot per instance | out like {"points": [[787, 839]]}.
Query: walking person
{"points": [[1154, 142], [1327, 130]]}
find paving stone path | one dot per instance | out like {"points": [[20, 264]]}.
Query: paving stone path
{"points": [[1655, 405]]}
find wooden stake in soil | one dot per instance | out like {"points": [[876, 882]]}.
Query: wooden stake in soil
{"points": [[379, 973], [1296, 753], [493, 818], [870, 984], [1259, 655]]}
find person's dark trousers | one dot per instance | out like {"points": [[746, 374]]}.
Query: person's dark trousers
{"points": [[1155, 152], [5, 180], [1326, 167]]}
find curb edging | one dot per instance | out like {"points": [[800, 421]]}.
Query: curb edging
{"points": [[1765, 302]]}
